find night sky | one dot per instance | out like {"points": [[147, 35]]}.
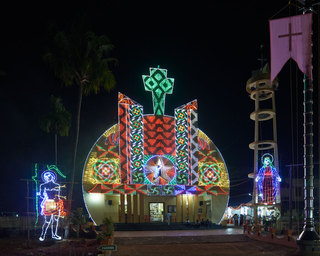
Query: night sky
{"points": [[210, 49]]}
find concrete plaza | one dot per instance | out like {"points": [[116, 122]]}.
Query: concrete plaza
{"points": [[229, 241], [226, 241]]}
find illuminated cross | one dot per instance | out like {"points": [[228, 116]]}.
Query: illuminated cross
{"points": [[159, 85], [290, 35]]}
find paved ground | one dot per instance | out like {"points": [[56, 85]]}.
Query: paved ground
{"points": [[230, 241], [218, 242], [175, 233], [240, 248]]}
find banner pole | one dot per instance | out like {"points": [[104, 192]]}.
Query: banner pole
{"points": [[309, 240]]}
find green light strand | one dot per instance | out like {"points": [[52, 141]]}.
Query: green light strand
{"points": [[54, 167], [35, 179]]}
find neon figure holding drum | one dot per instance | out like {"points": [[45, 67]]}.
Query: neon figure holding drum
{"points": [[52, 207]]}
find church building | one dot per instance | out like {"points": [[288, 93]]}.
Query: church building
{"points": [[147, 165]]}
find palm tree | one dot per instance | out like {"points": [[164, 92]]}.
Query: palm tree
{"points": [[57, 120], [80, 58]]}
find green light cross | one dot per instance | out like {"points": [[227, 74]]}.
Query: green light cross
{"points": [[159, 85]]}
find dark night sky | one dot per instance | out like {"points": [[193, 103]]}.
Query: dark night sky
{"points": [[210, 50]]}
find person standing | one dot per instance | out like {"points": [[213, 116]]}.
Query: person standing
{"points": [[168, 217], [235, 217]]}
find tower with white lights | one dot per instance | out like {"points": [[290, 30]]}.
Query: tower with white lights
{"points": [[266, 189]]}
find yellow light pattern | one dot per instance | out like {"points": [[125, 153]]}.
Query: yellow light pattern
{"points": [[224, 182], [88, 179]]}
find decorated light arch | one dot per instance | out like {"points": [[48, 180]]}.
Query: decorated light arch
{"points": [[147, 159]]}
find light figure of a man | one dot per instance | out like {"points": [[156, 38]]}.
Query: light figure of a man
{"points": [[268, 180], [51, 204]]}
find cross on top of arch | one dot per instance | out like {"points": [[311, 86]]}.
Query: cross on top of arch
{"points": [[159, 85]]}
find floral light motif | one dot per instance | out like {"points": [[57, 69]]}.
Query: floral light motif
{"points": [[105, 171], [210, 173]]}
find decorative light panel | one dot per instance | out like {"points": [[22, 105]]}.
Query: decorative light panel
{"points": [[155, 154], [267, 181]]}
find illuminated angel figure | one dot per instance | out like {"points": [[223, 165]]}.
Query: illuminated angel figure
{"points": [[268, 180], [51, 204]]}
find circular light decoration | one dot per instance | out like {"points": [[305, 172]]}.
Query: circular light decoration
{"points": [[154, 155], [104, 170], [210, 173], [159, 170]]}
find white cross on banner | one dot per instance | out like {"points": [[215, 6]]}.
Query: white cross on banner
{"points": [[291, 37]]}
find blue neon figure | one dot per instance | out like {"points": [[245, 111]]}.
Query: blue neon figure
{"points": [[51, 204], [268, 180]]}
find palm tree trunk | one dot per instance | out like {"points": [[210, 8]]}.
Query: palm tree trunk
{"points": [[56, 148], [76, 141]]}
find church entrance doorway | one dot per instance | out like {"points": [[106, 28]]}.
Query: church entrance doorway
{"points": [[156, 212]]}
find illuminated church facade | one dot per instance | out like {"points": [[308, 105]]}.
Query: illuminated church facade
{"points": [[147, 165]]}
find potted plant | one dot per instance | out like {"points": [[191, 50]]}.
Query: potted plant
{"points": [[106, 236], [78, 219]]}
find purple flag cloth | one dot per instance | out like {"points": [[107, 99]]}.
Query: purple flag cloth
{"points": [[291, 37]]}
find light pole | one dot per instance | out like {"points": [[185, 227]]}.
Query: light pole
{"points": [[309, 240]]}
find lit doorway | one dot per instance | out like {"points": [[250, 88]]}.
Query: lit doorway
{"points": [[156, 212]]}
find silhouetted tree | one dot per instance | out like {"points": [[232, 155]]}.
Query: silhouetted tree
{"points": [[80, 58], [57, 121]]}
